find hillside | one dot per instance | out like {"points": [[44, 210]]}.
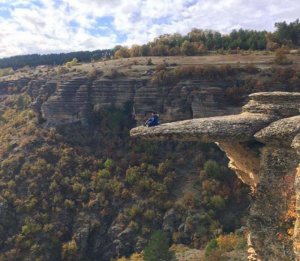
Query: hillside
{"points": [[74, 186]]}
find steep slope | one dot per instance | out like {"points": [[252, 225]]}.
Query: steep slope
{"points": [[77, 193], [260, 144]]}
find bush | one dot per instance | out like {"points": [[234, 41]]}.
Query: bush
{"points": [[211, 246], [69, 250], [62, 70], [149, 62], [217, 202], [157, 248], [113, 74], [109, 164], [212, 169], [281, 57], [94, 73], [216, 249]]}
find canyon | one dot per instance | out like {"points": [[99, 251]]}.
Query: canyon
{"points": [[262, 144], [260, 139]]}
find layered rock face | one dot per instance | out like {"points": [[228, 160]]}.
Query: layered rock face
{"points": [[262, 145], [75, 98], [18, 84], [296, 146]]}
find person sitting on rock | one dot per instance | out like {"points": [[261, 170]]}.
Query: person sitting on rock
{"points": [[153, 120]]}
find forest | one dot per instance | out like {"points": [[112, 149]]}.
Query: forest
{"points": [[72, 193]]}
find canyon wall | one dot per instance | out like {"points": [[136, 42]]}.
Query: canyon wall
{"points": [[262, 144], [74, 99]]}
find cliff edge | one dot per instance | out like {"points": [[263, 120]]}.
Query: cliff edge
{"points": [[262, 144]]}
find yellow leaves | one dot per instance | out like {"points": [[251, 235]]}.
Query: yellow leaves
{"points": [[291, 214], [133, 257], [69, 250], [122, 259], [137, 257], [227, 242], [290, 231], [179, 248]]}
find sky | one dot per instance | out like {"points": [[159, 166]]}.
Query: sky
{"points": [[55, 26]]}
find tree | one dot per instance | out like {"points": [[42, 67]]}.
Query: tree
{"points": [[135, 50], [188, 48], [212, 169], [20, 102], [123, 52], [158, 249], [288, 33]]}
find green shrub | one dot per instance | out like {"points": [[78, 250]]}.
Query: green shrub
{"points": [[212, 169], [211, 246], [157, 248]]}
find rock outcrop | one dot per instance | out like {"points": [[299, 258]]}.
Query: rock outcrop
{"points": [[8, 86], [74, 98], [262, 144]]}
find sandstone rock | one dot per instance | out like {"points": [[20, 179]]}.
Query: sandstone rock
{"points": [[281, 132], [296, 146], [236, 127], [125, 242], [67, 103], [296, 143], [281, 104]]}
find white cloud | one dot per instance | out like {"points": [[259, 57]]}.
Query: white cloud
{"points": [[45, 26]]}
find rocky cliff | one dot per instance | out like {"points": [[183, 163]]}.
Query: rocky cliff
{"points": [[74, 99], [262, 144], [71, 99]]}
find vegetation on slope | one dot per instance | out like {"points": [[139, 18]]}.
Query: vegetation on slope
{"points": [[90, 194], [243, 79]]}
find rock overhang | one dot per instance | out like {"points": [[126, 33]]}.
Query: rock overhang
{"points": [[240, 127], [255, 123], [281, 132]]}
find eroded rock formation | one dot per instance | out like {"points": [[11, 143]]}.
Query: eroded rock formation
{"points": [[263, 145], [75, 98]]}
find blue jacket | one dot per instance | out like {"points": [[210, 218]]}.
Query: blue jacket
{"points": [[153, 121]]}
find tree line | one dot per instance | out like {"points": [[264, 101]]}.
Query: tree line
{"points": [[20, 61], [196, 42]]}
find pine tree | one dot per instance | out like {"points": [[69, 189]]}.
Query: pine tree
{"points": [[158, 249]]}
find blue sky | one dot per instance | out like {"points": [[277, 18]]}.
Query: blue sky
{"points": [[51, 26]]}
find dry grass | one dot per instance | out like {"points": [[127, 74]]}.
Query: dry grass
{"points": [[137, 66]]}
